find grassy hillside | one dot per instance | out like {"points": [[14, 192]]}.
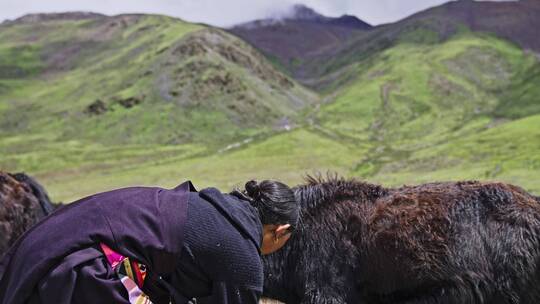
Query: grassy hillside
{"points": [[464, 109], [160, 101], [136, 79]]}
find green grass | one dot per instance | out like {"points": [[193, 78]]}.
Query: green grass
{"points": [[71, 170], [19, 62]]}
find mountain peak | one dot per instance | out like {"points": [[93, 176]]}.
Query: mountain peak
{"points": [[303, 12], [350, 21]]}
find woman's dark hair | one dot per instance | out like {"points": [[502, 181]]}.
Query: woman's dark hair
{"points": [[275, 202]]}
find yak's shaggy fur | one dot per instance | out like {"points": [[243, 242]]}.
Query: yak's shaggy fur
{"points": [[22, 203], [464, 242]]}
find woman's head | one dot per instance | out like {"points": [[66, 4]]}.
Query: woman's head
{"points": [[278, 210]]}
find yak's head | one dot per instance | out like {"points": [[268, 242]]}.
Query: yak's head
{"points": [[327, 207]]}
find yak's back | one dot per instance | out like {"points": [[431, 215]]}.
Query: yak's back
{"points": [[413, 233]]}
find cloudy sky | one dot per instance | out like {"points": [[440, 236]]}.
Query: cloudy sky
{"points": [[222, 12]]}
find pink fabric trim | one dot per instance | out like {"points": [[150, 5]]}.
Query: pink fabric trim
{"points": [[136, 296], [113, 257]]}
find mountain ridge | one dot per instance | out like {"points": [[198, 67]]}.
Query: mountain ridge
{"points": [[515, 21], [300, 12], [43, 17]]}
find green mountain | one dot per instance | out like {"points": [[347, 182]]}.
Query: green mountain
{"points": [[152, 105], [135, 79]]}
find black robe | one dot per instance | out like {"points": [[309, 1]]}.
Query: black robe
{"points": [[59, 260], [221, 258]]}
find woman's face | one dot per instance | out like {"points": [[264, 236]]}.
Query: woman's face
{"points": [[274, 237]]}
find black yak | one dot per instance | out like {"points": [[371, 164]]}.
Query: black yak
{"points": [[23, 202], [462, 242]]}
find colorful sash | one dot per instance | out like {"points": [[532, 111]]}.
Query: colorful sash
{"points": [[131, 274]]}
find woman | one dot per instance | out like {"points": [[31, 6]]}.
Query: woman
{"points": [[152, 245]]}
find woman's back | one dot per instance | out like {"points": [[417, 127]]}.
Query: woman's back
{"points": [[221, 249], [142, 223]]}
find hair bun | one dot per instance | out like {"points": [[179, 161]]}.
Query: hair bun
{"points": [[253, 189]]}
